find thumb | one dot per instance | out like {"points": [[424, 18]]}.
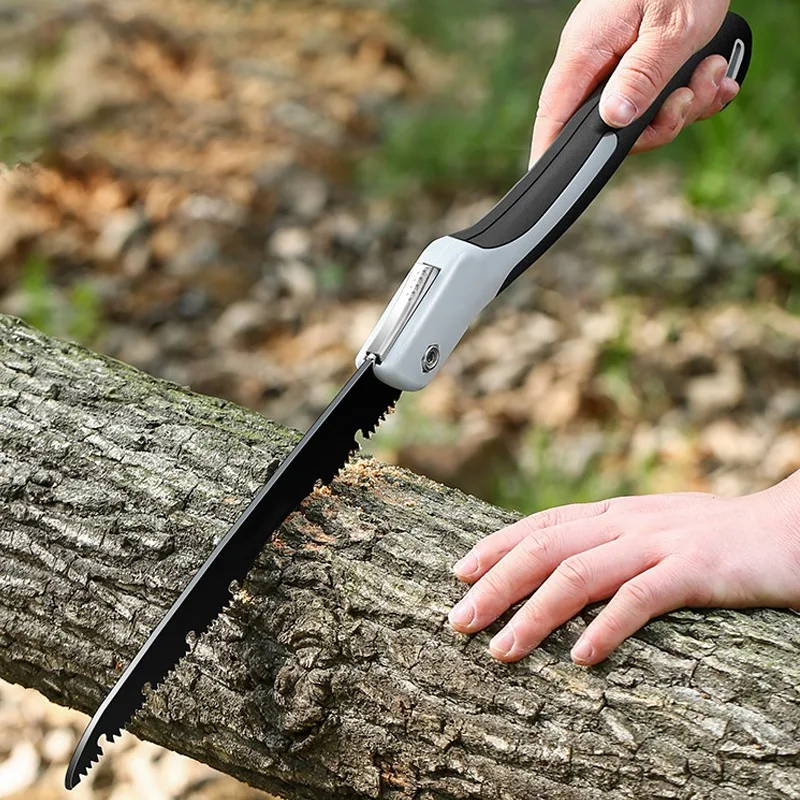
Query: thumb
{"points": [[641, 76]]}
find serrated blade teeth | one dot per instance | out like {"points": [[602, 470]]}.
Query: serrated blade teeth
{"points": [[90, 755], [369, 430], [320, 455]]}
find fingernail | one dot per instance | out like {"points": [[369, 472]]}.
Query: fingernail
{"points": [[686, 107], [729, 90], [583, 651], [618, 110], [463, 614], [504, 642], [466, 567]]}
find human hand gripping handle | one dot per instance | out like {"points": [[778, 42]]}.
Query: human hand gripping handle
{"points": [[641, 44], [456, 276], [584, 156]]}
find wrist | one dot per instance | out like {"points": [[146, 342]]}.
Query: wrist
{"points": [[786, 495], [784, 499]]}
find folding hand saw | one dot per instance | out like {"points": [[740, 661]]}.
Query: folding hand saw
{"points": [[455, 277]]}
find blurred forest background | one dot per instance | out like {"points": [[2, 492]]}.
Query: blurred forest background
{"points": [[225, 194]]}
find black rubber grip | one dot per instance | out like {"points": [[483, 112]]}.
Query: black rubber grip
{"points": [[530, 199]]}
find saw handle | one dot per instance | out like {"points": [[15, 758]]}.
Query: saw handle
{"points": [[457, 276], [564, 181]]}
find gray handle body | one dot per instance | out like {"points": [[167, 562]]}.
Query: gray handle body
{"points": [[457, 276]]}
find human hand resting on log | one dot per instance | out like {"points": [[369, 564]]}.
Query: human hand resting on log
{"points": [[647, 41], [648, 554], [651, 554]]}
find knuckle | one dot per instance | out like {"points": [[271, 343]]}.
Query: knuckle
{"points": [[681, 23], [631, 503], [646, 76], [548, 518], [578, 66], [546, 108], [638, 595], [604, 506], [682, 27], [494, 584], [705, 94], [537, 551], [576, 573], [614, 529], [673, 21], [718, 104], [531, 618], [593, 55], [614, 624]]}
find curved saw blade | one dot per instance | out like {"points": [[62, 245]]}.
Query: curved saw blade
{"points": [[321, 453]]}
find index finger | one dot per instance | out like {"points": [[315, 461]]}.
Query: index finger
{"points": [[490, 550], [590, 47], [570, 81]]}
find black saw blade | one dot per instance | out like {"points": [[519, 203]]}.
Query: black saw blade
{"points": [[321, 453]]}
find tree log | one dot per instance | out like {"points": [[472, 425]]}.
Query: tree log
{"points": [[333, 672]]}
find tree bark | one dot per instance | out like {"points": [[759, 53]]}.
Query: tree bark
{"points": [[333, 673]]}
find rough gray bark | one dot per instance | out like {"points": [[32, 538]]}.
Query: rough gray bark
{"points": [[333, 673]]}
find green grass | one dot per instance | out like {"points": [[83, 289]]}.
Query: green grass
{"points": [[544, 480], [545, 474], [72, 312], [24, 100], [616, 356], [728, 159], [475, 134], [409, 425]]}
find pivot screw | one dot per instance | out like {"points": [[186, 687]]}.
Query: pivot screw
{"points": [[431, 358]]}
